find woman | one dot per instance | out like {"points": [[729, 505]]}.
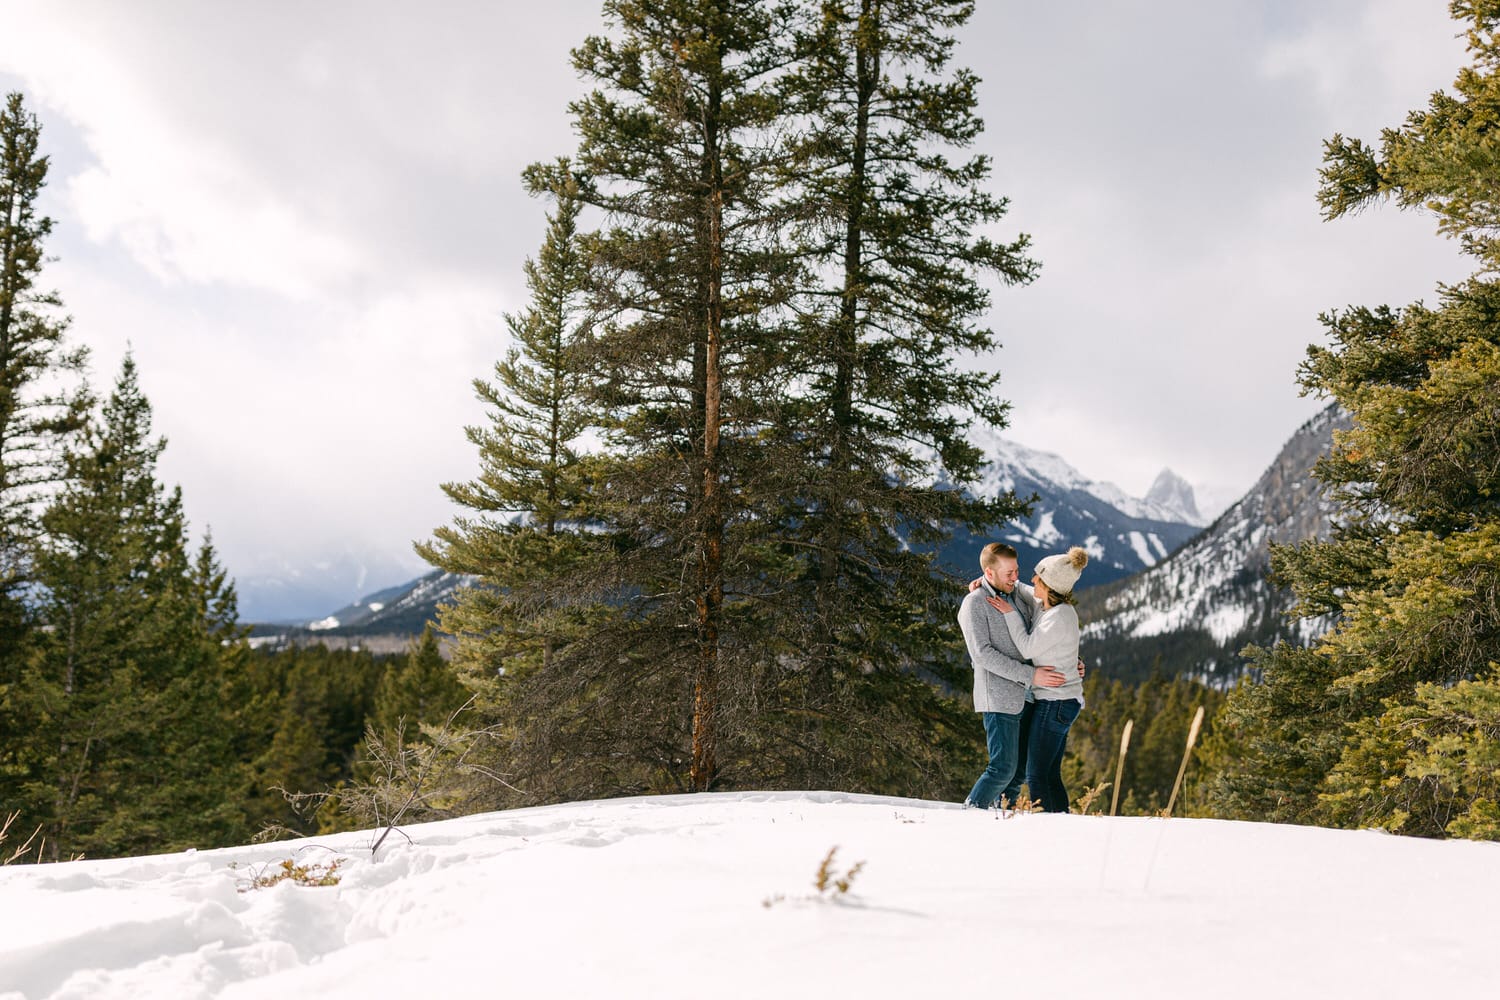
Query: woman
{"points": [[1052, 642]]}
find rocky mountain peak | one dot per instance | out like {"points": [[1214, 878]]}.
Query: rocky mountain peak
{"points": [[1171, 492]]}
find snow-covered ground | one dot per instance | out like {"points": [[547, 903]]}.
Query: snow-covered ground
{"points": [[712, 896]]}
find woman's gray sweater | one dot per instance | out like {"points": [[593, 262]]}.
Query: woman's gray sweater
{"points": [[1052, 642]]}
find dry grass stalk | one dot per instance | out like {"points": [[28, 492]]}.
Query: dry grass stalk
{"points": [[1192, 738], [323, 872], [828, 877], [1114, 800], [1023, 805]]}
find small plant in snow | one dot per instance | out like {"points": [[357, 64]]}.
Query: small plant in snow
{"points": [[312, 873], [1089, 797], [1022, 806], [830, 884]]}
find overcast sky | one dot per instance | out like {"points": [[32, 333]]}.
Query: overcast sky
{"points": [[306, 219]]}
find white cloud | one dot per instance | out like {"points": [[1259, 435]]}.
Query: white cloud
{"points": [[1362, 62]]}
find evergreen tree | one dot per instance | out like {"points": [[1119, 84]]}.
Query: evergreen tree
{"points": [[679, 147], [1390, 719], [891, 233], [530, 486], [308, 713], [416, 690], [127, 746], [785, 278], [194, 787], [38, 409], [533, 566]]}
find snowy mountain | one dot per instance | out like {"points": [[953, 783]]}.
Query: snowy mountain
{"points": [[714, 895], [275, 590], [406, 607], [1171, 493], [1123, 534], [382, 622], [1193, 612]]}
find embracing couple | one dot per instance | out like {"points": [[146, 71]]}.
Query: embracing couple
{"points": [[1027, 707]]}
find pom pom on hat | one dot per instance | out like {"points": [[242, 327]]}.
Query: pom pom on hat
{"points": [[1061, 572]]}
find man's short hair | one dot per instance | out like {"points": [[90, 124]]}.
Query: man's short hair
{"points": [[992, 553]]}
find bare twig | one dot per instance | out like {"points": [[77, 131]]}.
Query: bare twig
{"points": [[20, 852], [425, 771]]}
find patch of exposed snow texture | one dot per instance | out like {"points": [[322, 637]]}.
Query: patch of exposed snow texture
{"points": [[325, 623], [1142, 549], [1045, 531], [1226, 622]]}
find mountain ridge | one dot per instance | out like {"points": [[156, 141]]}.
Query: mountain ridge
{"points": [[1195, 611], [1122, 534]]}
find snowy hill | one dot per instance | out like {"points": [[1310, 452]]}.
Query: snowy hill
{"points": [[712, 896], [1194, 612]]}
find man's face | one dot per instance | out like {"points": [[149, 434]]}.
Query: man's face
{"points": [[1003, 575]]}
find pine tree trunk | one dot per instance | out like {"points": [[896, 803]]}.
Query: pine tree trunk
{"points": [[710, 600], [9, 289], [846, 332]]}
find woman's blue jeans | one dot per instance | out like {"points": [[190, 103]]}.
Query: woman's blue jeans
{"points": [[1046, 739], [1002, 733]]}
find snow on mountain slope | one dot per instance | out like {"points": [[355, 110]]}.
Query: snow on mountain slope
{"points": [[1123, 534], [1171, 493], [1013, 463], [1216, 586]]}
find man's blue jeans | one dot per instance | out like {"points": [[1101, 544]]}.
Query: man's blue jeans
{"points": [[1002, 733], [1046, 740], [1012, 793]]}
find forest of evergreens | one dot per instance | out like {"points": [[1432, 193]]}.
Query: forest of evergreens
{"points": [[730, 430]]}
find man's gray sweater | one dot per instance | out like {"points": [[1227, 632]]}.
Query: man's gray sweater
{"points": [[1000, 672]]}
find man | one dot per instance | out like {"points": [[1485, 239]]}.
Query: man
{"points": [[1000, 673]]}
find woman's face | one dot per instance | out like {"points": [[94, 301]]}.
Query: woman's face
{"points": [[1042, 593]]}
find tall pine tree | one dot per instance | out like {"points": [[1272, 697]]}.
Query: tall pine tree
{"points": [[893, 235], [533, 564], [786, 274], [530, 489], [679, 146], [128, 743], [42, 399], [1391, 719]]}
